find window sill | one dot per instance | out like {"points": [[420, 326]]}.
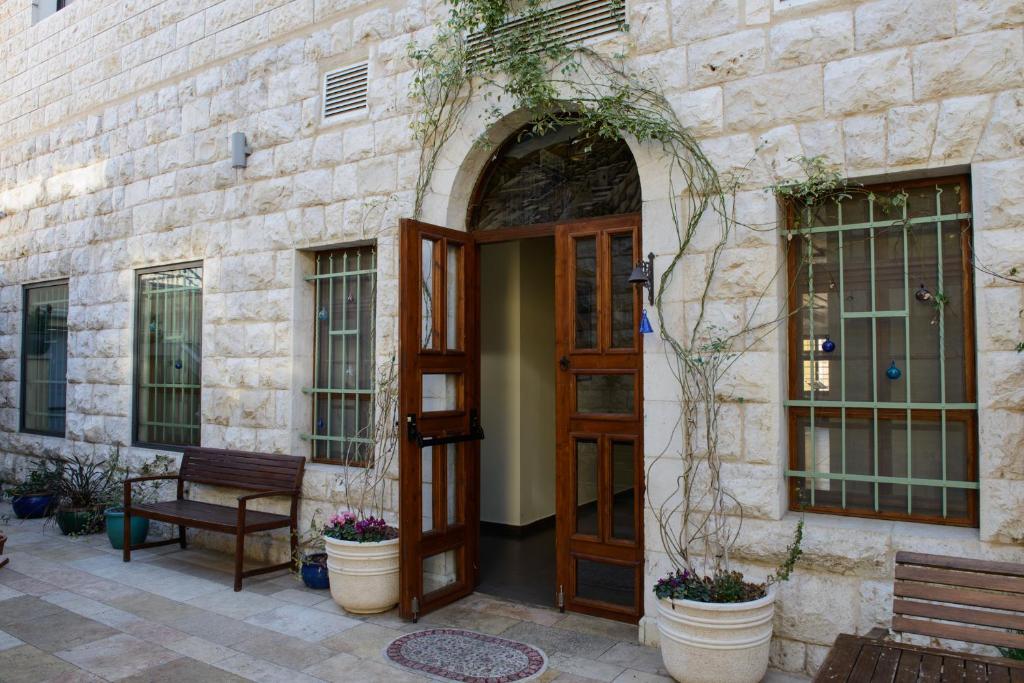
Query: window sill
{"points": [[916, 531]]}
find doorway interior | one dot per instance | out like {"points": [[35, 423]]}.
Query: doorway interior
{"points": [[517, 459]]}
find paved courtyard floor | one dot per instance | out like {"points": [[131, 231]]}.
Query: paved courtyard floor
{"points": [[72, 611]]}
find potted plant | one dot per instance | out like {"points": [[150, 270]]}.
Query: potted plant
{"points": [[84, 491], [310, 557], [33, 497], [362, 561], [144, 492]]}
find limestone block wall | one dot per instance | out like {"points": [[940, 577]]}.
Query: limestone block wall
{"points": [[114, 122]]}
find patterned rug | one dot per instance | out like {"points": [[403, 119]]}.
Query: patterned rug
{"points": [[451, 654]]}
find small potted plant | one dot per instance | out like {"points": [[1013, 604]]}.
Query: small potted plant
{"points": [[33, 497], [84, 491], [142, 493], [310, 556], [362, 562]]}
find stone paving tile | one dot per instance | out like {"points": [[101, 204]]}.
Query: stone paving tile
{"points": [[342, 669], [235, 605], [76, 676], [457, 616], [261, 670], [538, 615], [300, 597], [286, 651], [633, 676], [27, 664], [156, 608], [366, 641], [25, 608], [202, 650], [7, 641], [148, 577], [184, 670], [554, 640], [583, 666], [215, 628], [59, 631], [118, 656], [616, 630], [635, 656], [6, 593], [300, 622]]}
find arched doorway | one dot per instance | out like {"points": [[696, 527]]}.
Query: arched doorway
{"points": [[527, 326]]}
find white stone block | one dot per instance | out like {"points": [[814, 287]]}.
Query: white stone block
{"points": [[649, 26], [726, 58], [865, 142], [969, 64], [1003, 136], [998, 198], [773, 99], [888, 23], [981, 15], [700, 110], [697, 20], [868, 82], [911, 131], [811, 40], [959, 128]]}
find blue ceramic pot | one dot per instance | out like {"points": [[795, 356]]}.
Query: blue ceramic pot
{"points": [[32, 507], [314, 571], [115, 528]]}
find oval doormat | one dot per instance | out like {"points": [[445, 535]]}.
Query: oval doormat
{"points": [[452, 654]]}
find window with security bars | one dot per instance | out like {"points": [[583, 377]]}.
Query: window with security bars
{"points": [[168, 356], [344, 357], [44, 355], [882, 412]]}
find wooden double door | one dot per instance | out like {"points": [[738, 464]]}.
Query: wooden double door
{"points": [[599, 418]]}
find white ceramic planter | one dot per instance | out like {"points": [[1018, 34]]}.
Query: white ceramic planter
{"points": [[704, 642], [364, 576]]}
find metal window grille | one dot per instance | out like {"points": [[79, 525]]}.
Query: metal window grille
{"points": [[44, 359], [168, 361], [344, 356], [888, 284]]}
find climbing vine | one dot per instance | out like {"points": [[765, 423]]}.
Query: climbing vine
{"points": [[499, 52]]}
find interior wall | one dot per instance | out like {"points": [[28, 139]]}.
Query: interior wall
{"points": [[517, 364]]}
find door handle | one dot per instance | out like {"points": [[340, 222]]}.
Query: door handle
{"points": [[563, 362]]}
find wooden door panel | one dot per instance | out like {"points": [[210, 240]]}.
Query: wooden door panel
{"points": [[599, 417], [439, 398]]}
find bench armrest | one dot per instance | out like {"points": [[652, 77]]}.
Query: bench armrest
{"points": [[152, 477], [266, 494]]}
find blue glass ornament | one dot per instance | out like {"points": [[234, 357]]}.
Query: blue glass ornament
{"points": [[828, 346], [320, 423], [893, 372], [645, 323], [322, 315], [152, 327], [177, 364]]}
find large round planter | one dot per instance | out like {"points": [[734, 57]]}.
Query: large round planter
{"points": [[72, 522], [363, 576], [32, 506], [314, 571], [703, 642], [115, 528]]}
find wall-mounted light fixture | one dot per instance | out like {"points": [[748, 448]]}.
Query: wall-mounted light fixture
{"points": [[643, 275], [240, 151]]}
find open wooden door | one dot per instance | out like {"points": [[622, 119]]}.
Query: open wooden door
{"points": [[599, 497], [439, 397]]}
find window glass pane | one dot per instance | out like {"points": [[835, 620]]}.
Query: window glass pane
{"points": [[440, 571], [44, 359], [343, 393], [453, 305], [441, 392], [169, 356], [623, 293], [586, 487], [605, 582], [558, 175], [427, 487], [586, 293], [451, 485], [428, 270], [623, 490], [605, 394]]}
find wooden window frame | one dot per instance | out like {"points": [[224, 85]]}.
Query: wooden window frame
{"points": [[23, 392], [968, 416]]}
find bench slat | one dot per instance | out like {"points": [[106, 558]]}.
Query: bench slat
{"points": [[240, 469], [961, 579], [864, 667], [961, 596], [910, 664], [966, 634], [960, 563], [961, 614], [888, 662]]}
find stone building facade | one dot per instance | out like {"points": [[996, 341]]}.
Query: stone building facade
{"points": [[114, 125]]}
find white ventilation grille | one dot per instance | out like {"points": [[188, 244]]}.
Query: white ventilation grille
{"points": [[345, 90], [570, 22]]}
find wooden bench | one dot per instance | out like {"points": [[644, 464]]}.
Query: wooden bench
{"points": [[972, 601], [265, 474]]}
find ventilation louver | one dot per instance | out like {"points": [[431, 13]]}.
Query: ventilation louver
{"points": [[569, 22], [345, 90]]}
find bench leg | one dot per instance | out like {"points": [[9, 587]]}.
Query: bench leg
{"points": [[239, 553], [182, 541], [126, 553]]}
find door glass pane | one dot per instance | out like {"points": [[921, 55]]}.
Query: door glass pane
{"points": [[441, 392], [586, 487], [451, 483], [440, 571], [427, 477], [453, 305], [44, 359], [604, 582], [428, 268], [623, 293], [623, 490], [609, 394], [586, 293]]}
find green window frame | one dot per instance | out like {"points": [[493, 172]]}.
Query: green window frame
{"points": [[168, 356], [344, 356], [889, 283], [44, 354]]}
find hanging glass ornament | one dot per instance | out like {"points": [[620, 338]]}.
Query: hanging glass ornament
{"points": [[922, 294], [320, 424], [828, 346], [177, 364], [893, 372], [645, 323], [152, 326], [322, 314]]}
